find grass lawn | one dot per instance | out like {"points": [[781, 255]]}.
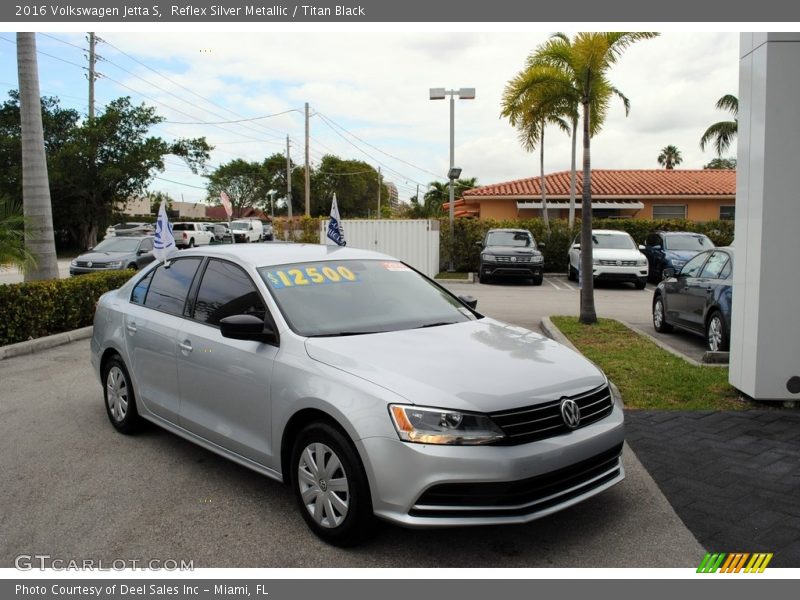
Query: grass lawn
{"points": [[446, 275], [647, 376]]}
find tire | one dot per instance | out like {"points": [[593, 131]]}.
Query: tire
{"points": [[716, 333], [119, 397], [660, 316], [641, 284], [538, 279], [191, 243], [573, 274], [341, 517], [132, 266]]}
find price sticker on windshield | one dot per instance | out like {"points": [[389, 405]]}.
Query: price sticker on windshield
{"points": [[306, 276], [395, 266]]}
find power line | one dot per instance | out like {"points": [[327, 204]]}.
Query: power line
{"points": [[235, 121], [197, 187]]}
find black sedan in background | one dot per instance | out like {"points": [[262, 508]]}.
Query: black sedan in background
{"points": [[698, 298], [115, 253]]}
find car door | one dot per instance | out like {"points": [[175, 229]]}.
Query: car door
{"points": [[151, 329], [680, 300], [225, 383], [704, 291], [144, 256]]}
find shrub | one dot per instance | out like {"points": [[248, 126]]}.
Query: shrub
{"points": [[39, 308]]}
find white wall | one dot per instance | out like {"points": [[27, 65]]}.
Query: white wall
{"points": [[765, 328], [415, 242]]}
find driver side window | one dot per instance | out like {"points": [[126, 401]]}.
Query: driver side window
{"points": [[692, 268]]}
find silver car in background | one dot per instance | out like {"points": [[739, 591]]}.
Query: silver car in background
{"points": [[365, 386]]}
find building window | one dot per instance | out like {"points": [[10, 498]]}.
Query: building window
{"points": [[727, 213], [669, 211]]}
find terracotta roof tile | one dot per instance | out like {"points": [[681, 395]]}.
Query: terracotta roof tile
{"points": [[627, 182]]}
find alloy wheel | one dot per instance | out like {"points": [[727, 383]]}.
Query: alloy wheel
{"points": [[323, 485], [714, 333]]}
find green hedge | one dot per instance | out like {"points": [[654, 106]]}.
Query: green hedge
{"points": [[40, 308], [469, 231]]}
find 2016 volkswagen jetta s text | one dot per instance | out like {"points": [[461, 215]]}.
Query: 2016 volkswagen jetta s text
{"points": [[364, 385]]}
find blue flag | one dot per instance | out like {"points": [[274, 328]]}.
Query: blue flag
{"points": [[335, 229], [164, 242]]}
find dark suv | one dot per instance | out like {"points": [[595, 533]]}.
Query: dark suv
{"points": [[510, 253], [672, 250]]}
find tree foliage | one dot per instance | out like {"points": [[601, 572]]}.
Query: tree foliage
{"points": [[722, 134], [245, 183], [670, 157], [94, 164], [721, 163]]}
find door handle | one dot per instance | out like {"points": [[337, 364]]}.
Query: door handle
{"points": [[185, 346], [131, 327]]}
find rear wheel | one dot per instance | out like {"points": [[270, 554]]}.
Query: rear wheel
{"points": [[330, 485], [659, 316], [716, 335], [191, 243]]}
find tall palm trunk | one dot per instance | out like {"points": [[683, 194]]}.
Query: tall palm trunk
{"points": [[572, 174], [543, 186], [39, 238], [588, 315]]}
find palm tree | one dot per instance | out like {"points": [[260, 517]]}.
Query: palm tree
{"points": [[39, 237], [12, 237], [670, 157], [723, 133], [586, 62], [530, 108]]}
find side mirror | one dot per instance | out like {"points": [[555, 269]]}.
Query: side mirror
{"points": [[479, 244], [669, 272], [470, 301], [247, 327], [576, 246], [641, 247], [90, 248], [142, 252], [540, 244]]}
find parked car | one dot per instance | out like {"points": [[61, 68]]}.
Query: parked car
{"points": [[367, 387], [672, 250], [269, 233], [189, 235], [615, 258], [121, 229], [114, 253], [247, 230], [510, 253], [220, 231], [698, 298]]}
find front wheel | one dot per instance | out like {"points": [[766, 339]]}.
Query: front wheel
{"points": [[573, 274], [119, 397], [538, 279], [659, 321], [716, 336], [330, 485], [641, 283]]}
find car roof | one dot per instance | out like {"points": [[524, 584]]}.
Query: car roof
{"points": [[280, 253], [508, 229], [680, 233], [610, 232], [128, 237]]}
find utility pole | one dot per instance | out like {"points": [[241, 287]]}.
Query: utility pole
{"points": [[379, 193], [288, 179], [417, 196], [92, 74], [308, 172]]}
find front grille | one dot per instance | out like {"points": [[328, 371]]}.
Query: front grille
{"points": [[621, 263], [523, 425], [525, 496], [95, 265], [517, 259]]}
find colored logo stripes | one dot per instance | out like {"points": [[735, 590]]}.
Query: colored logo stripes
{"points": [[735, 562]]}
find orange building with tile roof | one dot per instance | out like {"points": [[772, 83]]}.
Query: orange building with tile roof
{"points": [[696, 195]]}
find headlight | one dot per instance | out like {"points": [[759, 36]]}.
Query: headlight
{"points": [[115, 264], [641, 262], [74, 263], [678, 263], [441, 426], [537, 258], [489, 257], [595, 261]]}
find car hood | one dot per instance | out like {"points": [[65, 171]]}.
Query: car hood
{"points": [[681, 254], [482, 365], [510, 250], [614, 254], [103, 256]]}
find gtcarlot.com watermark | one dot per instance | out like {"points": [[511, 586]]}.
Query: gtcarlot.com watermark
{"points": [[30, 562]]}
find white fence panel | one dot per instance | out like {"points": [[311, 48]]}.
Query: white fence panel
{"points": [[414, 241]]}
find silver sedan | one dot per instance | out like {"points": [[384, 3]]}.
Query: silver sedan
{"points": [[362, 384]]}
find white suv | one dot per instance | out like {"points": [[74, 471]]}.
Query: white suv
{"points": [[615, 257]]}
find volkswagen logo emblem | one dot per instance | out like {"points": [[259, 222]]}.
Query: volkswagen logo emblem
{"points": [[89, 264], [619, 263], [513, 259], [571, 413]]}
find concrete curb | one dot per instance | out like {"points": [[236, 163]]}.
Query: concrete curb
{"points": [[470, 279], [670, 349], [43, 343]]}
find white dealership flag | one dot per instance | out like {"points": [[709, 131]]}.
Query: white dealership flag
{"points": [[226, 203], [335, 229], [164, 242]]}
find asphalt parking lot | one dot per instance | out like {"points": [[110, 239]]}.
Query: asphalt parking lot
{"points": [[72, 487]]}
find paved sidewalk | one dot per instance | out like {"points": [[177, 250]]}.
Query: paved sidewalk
{"points": [[733, 477]]}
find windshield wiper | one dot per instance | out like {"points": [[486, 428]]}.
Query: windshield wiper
{"points": [[344, 333], [437, 324]]}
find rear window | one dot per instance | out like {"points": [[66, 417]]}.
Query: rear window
{"points": [[183, 227]]}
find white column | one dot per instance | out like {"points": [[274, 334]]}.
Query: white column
{"points": [[765, 328]]}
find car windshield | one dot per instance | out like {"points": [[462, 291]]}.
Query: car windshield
{"points": [[353, 297], [117, 245], [613, 241], [697, 243], [128, 225], [509, 238], [236, 225]]}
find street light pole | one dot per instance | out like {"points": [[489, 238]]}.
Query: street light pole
{"points": [[463, 94]]}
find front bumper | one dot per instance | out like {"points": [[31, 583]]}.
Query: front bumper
{"points": [[624, 273], [525, 270], [490, 485], [85, 270]]}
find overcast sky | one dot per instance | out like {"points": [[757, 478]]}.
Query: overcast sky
{"points": [[375, 86]]}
